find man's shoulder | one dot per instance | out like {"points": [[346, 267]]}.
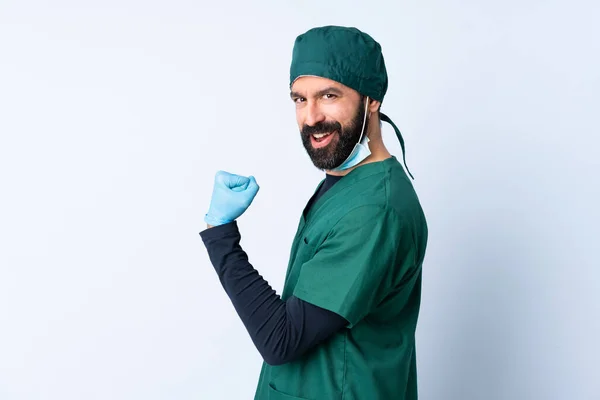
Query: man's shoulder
{"points": [[388, 187]]}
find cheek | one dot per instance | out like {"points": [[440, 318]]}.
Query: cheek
{"points": [[338, 113]]}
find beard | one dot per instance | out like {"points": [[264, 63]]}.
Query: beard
{"points": [[340, 147]]}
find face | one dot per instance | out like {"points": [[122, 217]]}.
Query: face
{"points": [[330, 117]]}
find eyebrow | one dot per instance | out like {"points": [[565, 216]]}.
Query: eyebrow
{"points": [[320, 93]]}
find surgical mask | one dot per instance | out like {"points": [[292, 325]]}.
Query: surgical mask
{"points": [[361, 150]]}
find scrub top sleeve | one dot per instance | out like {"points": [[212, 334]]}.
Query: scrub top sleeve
{"points": [[357, 265]]}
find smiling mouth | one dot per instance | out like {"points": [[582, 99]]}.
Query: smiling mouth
{"points": [[321, 140], [319, 137]]}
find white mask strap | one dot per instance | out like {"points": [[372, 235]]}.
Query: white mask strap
{"points": [[364, 119]]}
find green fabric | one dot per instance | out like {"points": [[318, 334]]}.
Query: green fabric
{"points": [[358, 252], [345, 55], [342, 54]]}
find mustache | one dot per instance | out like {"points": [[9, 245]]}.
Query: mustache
{"points": [[321, 127]]}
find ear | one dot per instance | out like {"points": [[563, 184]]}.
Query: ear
{"points": [[374, 105]]}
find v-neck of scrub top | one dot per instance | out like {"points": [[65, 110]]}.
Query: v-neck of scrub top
{"points": [[342, 182], [323, 188]]}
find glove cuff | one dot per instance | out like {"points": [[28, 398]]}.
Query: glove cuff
{"points": [[210, 220]]}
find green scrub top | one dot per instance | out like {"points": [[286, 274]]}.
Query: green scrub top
{"points": [[357, 252]]}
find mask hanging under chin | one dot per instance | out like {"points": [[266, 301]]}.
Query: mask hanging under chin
{"points": [[361, 150]]}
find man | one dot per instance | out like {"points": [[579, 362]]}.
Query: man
{"points": [[344, 326]]}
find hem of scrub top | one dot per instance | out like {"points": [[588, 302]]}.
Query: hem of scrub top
{"points": [[219, 231]]}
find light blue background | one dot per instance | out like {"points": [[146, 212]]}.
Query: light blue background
{"points": [[115, 115]]}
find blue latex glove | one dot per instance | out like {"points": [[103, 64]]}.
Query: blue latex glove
{"points": [[232, 195]]}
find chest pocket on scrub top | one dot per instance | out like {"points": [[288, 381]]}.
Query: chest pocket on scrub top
{"points": [[307, 248]]}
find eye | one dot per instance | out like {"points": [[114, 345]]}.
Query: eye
{"points": [[299, 100], [330, 96]]}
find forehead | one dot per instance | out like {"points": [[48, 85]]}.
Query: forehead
{"points": [[311, 84]]}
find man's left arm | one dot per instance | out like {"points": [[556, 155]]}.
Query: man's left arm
{"points": [[281, 330]]}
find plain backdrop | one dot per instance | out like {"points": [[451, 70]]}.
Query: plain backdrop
{"points": [[115, 116]]}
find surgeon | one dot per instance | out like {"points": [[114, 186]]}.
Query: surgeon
{"points": [[344, 324]]}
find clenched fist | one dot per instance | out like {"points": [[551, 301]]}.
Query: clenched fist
{"points": [[232, 195]]}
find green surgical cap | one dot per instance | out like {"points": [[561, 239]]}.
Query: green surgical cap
{"points": [[345, 55]]}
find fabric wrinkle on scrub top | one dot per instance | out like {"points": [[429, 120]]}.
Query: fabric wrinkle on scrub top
{"points": [[357, 252]]}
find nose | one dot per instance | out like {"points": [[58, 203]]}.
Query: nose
{"points": [[313, 114]]}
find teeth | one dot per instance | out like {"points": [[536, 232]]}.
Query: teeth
{"points": [[320, 135]]}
